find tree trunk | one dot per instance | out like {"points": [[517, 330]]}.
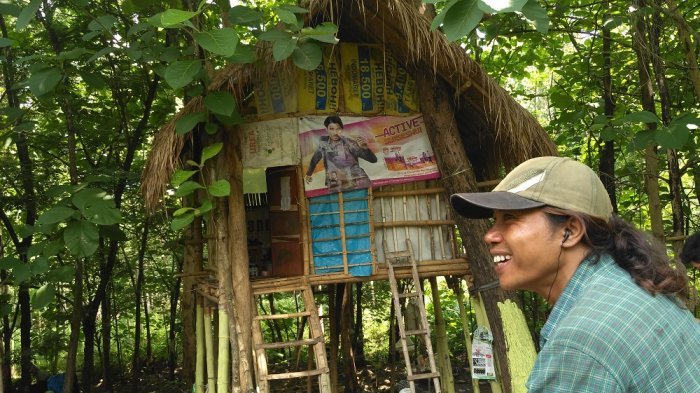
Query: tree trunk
{"points": [[606, 166], [106, 322], [439, 117], [651, 159], [192, 265], [351, 383], [358, 338], [172, 323], [333, 317], [442, 352], [136, 363]]}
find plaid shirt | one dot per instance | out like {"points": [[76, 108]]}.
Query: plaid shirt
{"points": [[606, 334]]}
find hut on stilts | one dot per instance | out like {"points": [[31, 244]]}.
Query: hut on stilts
{"points": [[435, 123]]}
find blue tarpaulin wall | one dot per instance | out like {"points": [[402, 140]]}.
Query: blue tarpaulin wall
{"points": [[327, 240]]}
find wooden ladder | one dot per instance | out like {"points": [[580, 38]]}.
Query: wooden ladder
{"points": [[405, 258], [315, 341]]}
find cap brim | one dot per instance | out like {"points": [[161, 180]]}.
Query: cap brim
{"points": [[482, 204]]}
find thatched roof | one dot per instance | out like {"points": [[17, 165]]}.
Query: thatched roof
{"points": [[497, 132]]}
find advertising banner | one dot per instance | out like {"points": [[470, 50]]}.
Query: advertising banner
{"points": [[270, 143], [368, 152], [319, 90], [276, 93]]}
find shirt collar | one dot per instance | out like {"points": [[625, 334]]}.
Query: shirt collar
{"points": [[570, 295]]}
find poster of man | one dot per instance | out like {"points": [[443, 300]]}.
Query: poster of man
{"points": [[346, 153]]}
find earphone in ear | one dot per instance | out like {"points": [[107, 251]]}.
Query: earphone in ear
{"points": [[567, 233]]}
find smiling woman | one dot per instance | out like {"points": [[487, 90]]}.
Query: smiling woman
{"points": [[554, 233]]}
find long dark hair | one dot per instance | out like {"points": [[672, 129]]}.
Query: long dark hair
{"points": [[641, 255]]}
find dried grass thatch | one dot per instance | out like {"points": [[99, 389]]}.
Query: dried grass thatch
{"points": [[497, 132]]}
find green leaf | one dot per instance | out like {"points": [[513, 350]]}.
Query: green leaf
{"points": [[293, 8], [461, 19], [440, 17], [180, 73], [211, 128], [102, 215], [95, 81], [245, 54], [9, 9], [308, 56], [173, 17], [187, 188], [39, 266], [220, 41], [112, 232], [210, 151], [638, 117], [55, 215], [21, 273], [5, 309], [233, 120], [282, 49], [81, 238], [641, 140], [535, 13], [27, 14], [43, 296], [7, 263], [53, 247], [206, 206], [186, 123], [674, 136], [221, 102], [608, 133], [5, 42], [102, 23], [220, 188], [274, 35], [62, 274], [100, 53], [182, 221], [182, 211], [44, 81], [500, 6], [73, 54], [180, 176], [90, 197], [287, 16], [242, 15]]}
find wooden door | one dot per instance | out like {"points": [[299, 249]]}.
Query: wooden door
{"points": [[283, 189]]}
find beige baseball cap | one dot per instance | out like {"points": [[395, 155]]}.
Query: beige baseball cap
{"points": [[555, 181]]}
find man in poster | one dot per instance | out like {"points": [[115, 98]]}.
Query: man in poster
{"points": [[340, 158]]}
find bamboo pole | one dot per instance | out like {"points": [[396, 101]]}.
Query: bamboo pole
{"points": [[199, 363], [447, 380], [223, 372], [459, 294], [209, 344]]}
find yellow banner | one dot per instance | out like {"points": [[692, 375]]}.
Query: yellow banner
{"points": [[363, 78], [401, 92], [276, 93], [319, 90]]}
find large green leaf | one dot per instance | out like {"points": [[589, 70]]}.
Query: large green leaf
{"points": [[44, 81], [220, 188], [245, 54], [287, 16], [219, 41], [440, 17], [221, 102], [242, 15], [5, 42], [10, 9], [100, 53], [81, 238], [674, 136], [173, 17], [461, 19], [187, 188], [112, 232], [638, 117], [534, 12], [21, 273], [102, 215], [180, 73], [182, 221], [39, 266], [103, 22], [210, 151], [27, 14], [180, 176], [641, 140], [55, 215], [89, 197], [62, 274], [43, 296], [283, 48], [7, 263], [308, 56], [275, 35], [186, 123]]}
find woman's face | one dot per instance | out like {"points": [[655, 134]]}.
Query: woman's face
{"points": [[334, 131]]}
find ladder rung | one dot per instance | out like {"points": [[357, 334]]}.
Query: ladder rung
{"points": [[282, 316], [416, 332], [408, 294], [422, 376], [296, 374], [286, 344]]}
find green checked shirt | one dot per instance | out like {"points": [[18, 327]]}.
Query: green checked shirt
{"points": [[606, 334]]}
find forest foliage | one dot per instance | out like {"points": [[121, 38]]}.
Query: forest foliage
{"points": [[87, 84]]}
